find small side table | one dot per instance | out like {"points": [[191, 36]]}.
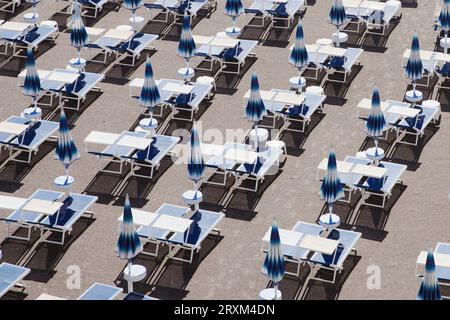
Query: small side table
{"points": [[32, 113], [133, 274], [192, 197], [414, 96], [375, 154], [64, 182], [186, 73], [297, 82], [339, 38], [324, 42], [31, 17], [233, 32], [77, 63], [269, 294], [148, 124]]}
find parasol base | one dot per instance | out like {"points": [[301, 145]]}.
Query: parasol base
{"points": [[413, 96], [134, 273], [339, 38], [77, 63], [148, 124], [64, 182], [31, 17], [136, 22], [325, 222], [297, 82], [233, 32], [186, 73], [32, 113], [269, 294], [259, 142], [193, 198], [375, 154]]}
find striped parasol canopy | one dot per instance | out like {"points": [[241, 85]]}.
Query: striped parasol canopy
{"points": [[132, 4], [444, 17], [33, 3], [78, 33], [299, 55], [376, 123], [234, 9], [186, 46], [429, 289], [150, 96], [331, 188], [66, 151], [196, 165], [32, 83], [414, 67], [129, 245], [274, 264], [255, 109], [337, 15]]}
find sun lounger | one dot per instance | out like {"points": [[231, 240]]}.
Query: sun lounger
{"points": [[237, 56], [78, 90], [28, 141], [335, 262], [302, 113], [379, 22], [350, 180], [137, 296], [259, 9], [164, 6], [29, 219], [9, 6], [156, 236], [382, 186], [11, 275], [203, 223], [91, 5], [33, 38], [416, 126], [286, 12], [74, 207], [134, 48], [191, 101], [343, 65], [100, 291]]}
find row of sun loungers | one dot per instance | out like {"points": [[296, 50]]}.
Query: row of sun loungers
{"points": [[303, 244], [276, 11], [46, 210], [176, 8]]}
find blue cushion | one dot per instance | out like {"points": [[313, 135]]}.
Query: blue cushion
{"points": [[337, 62]]}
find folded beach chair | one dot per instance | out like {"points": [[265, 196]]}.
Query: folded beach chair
{"points": [[416, 126], [382, 187], [137, 296], [11, 275], [29, 141], [74, 207], [156, 236], [344, 65], [335, 262], [29, 219], [302, 113], [237, 56], [100, 291], [379, 22], [152, 156], [286, 12], [9, 5], [203, 223], [190, 102], [267, 163], [86, 82]]}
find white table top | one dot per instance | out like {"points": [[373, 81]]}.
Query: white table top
{"points": [[15, 26], [290, 98], [133, 142], [94, 31], [141, 217], [239, 155], [12, 128], [369, 171], [265, 95], [403, 112], [200, 40], [42, 206], [100, 137], [173, 224], [224, 42], [440, 259], [332, 51], [123, 35], [424, 54], [64, 77], [318, 244], [177, 88], [11, 203], [342, 166], [287, 237], [351, 3], [366, 103]]}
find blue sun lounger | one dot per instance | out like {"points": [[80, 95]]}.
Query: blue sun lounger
{"points": [[203, 223], [27, 219], [86, 82], [10, 275], [137, 296], [100, 291], [152, 156], [74, 207], [158, 236], [190, 102], [30, 140], [335, 262]]}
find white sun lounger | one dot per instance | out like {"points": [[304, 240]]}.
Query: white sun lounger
{"points": [[87, 6], [343, 65], [203, 223], [285, 12], [100, 291], [380, 20], [27, 141], [11, 275], [33, 38], [78, 90]]}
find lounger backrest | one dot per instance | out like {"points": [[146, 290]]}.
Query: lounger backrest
{"points": [[246, 47], [140, 42], [313, 101], [394, 173], [293, 6], [161, 146], [85, 83], [199, 93], [10, 275], [36, 134], [121, 151], [352, 179], [352, 56], [390, 11]]}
